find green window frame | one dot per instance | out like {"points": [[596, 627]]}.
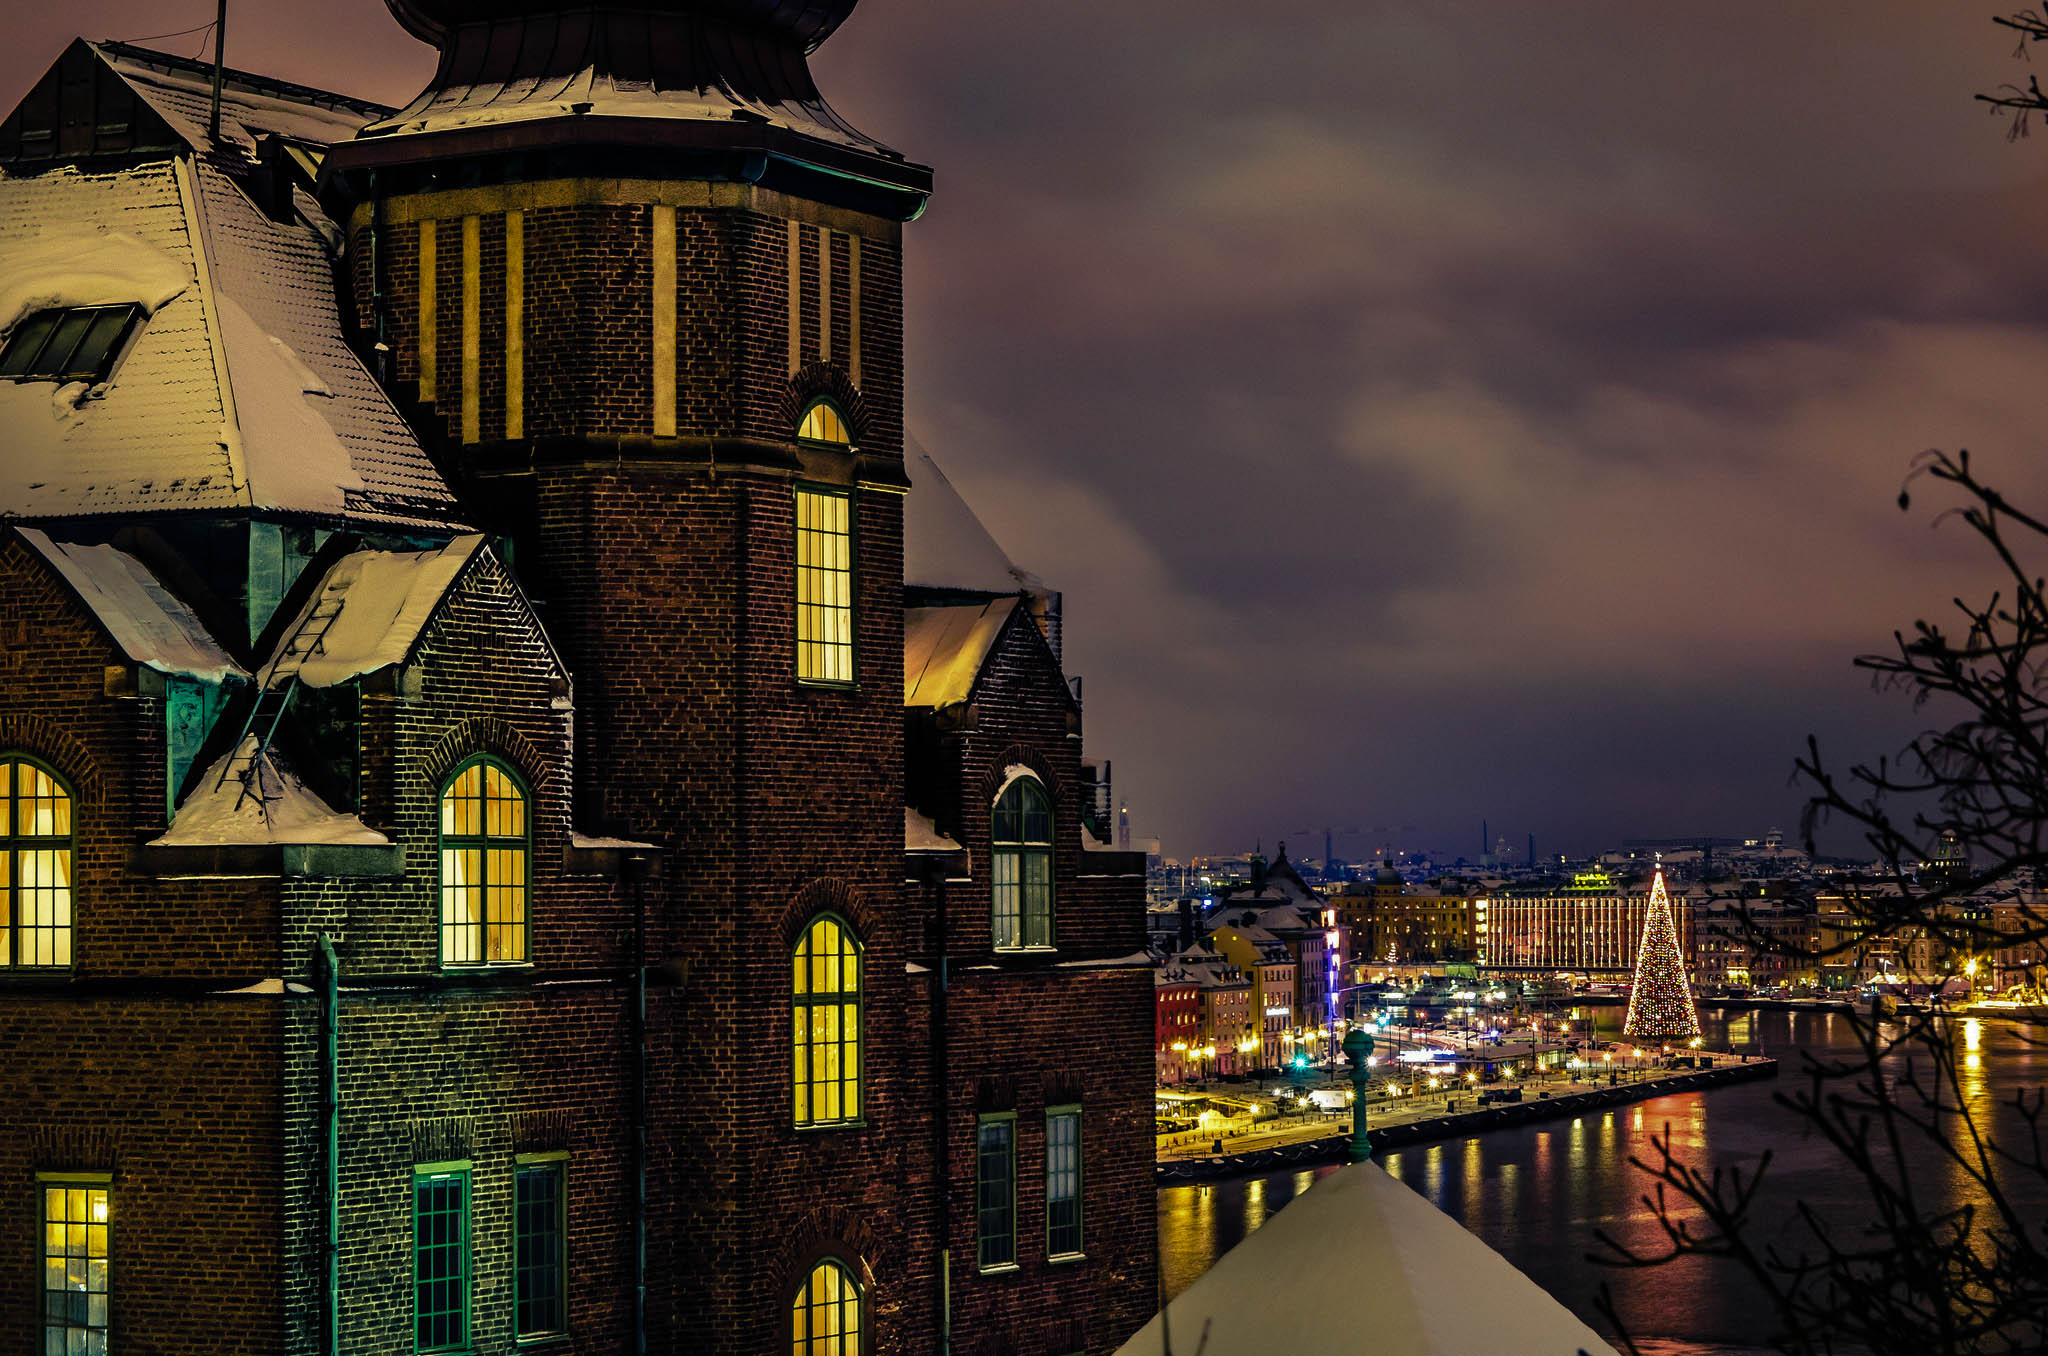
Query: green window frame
{"points": [[826, 993], [36, 861], [825, 1316], [77, 1220], [824, 586], [440, 1257], [824, 424], [540, 1246], [995, 1190], [1020, 867], [486, 841], [1062, 1182]]}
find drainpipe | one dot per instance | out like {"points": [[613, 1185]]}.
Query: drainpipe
{"points": [[329, 973], [935, 897], [636, 870]]}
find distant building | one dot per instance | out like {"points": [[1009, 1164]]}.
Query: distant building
{"points": [[1390, 922], [1591, 925]]}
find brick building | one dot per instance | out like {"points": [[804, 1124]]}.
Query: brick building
{"points": [[455, 583]]}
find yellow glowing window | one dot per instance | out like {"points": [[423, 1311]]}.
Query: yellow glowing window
{"points": [[75, 1267], [822, 424], [485, 846], [824, 1317], [824, 586], [826, 1025], [35, 865]]}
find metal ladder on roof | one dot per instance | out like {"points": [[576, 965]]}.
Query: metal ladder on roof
{"points": [[274, 698]]}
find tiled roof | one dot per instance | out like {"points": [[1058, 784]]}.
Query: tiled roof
{"points": [[239, 391]]}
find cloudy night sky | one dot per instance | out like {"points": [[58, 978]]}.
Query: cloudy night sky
{"points": [[1432, 411]]}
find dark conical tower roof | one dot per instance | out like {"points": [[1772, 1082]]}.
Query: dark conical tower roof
{"points": [[803, 22], [705, 89]]}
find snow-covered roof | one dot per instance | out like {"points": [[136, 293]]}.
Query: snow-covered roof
{"points": [[239, 390], [149, 624], [218, 812], [944, 543], [945, 647], [1359, 1262], [179, 91], [380, 601], [921, 835]]}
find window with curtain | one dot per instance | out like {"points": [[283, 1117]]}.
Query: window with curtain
{"points": [[826, 1024], [1020, 866], [825, 1315], [486, 843], [35, 865], [824, 585], [76, 1260]]}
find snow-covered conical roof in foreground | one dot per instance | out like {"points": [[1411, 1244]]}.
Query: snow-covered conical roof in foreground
{"points": [[1360, 1263]]}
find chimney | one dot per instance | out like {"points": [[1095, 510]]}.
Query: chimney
{"points": [[1187, 924]]}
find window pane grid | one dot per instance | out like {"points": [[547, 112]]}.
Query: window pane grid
{"points": [[824, 586], [825, 1025], [1020, 867], [35, 867], [825, 1315], [1062, 1183], [484, 859], [441, 1262], [996, 1195], [72, 344], [76, 1263], [540, 1300]]}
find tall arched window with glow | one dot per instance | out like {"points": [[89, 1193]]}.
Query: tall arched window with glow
{"points": [[1020, 866], [486, 843], [825, 1316], [826, 1026], [35, 865]]}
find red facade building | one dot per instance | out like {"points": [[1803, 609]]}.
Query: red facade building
{"points": [[456, 591]]}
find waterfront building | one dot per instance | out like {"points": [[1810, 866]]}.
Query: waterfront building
{"points": [[1767, 943], [1177, 1022], [458, 584], [1390, 922], [1591, 925]]}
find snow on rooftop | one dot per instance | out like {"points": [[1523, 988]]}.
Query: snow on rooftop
{"points": [[180, 96], [1359, 1262], [921, 835], [73, 263], [218, 813], [385, 599], [944, 543], [149, 624], [945, 647]]}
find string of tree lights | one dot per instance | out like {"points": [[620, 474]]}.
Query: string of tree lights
{"points": [[1660, 1005]]}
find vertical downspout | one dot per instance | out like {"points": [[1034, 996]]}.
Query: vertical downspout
{"points": [[330, 1118], [636, 870], [935, 896]]}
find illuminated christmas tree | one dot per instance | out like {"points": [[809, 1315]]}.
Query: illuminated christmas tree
{"points": [[1660, 1003]]}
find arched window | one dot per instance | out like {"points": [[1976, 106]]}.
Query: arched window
{"points": [[1020, 864], [35, 865], [823, 423], [826, 1068], [486, 840], [824, 1318]]}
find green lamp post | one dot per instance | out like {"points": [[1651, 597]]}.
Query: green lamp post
{"points": [[1357, 1047]]}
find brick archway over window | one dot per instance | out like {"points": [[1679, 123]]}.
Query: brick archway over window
{"points": [[41, 738], [1018, 754], [486, 734], [828, 894], [830, 381]]}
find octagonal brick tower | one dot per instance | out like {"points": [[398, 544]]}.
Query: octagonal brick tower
{"points": [[613, 256]]}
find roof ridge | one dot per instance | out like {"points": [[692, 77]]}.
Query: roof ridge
{"points": [[171, 63]]}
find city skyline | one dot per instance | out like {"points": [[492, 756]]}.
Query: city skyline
{"points": [[1434, 415]]}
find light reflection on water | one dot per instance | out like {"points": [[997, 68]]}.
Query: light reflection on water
{"points": [[1540, 1193]]}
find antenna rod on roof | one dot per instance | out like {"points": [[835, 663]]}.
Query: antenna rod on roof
{"points": [[220, 39]]}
